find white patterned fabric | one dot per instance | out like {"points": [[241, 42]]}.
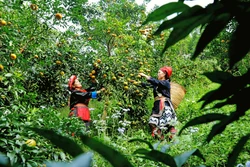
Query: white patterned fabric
{"points": [[168, 118]]}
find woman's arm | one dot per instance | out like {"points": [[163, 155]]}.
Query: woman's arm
{"points": [[164, 83], [144, 75], [154, 81]]}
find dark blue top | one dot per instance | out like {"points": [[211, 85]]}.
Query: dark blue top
{"points": [[160, 86]]}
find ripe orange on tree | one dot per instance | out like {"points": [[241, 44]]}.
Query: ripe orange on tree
{"points": [[33, 6], [125, 87], [3, 23], [98, 60], [13, 56], [30, 143], [58, 16], [58, 62], [1, 67]]}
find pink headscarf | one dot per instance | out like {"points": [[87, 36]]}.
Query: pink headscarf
{"points": [[167, 71]]}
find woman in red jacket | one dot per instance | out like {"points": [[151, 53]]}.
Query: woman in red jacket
{"points": [[79, 100]]}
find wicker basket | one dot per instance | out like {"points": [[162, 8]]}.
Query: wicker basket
{"points": [[177, 94]]}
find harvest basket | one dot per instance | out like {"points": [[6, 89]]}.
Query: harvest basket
{"points": [[177, 94]]}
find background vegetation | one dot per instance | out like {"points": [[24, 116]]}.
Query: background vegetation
{"points": [[42, 43]]}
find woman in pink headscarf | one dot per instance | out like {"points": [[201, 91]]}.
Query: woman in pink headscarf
{"points": [[163, 117], [79, 100]]}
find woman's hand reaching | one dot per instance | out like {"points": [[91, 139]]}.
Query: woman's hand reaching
{"points": [[144, 75], [101, 90]]}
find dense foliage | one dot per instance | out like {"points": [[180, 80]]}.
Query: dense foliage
{"points": [[42, 43]]}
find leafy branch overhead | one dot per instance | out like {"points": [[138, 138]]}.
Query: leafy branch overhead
{"points": [[213, 19]]}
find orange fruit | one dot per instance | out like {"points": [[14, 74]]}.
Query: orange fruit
{"points": [[3, 23], [33, 6], [93, 71], [125, 87], [93, 77], [99, 60], [30, 143], [58, 16], [62, 73], [1, 67], [58, 62], [13, 56], [89, 38], [104, 75], [36, 56]]}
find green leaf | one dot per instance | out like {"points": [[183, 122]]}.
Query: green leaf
{"points": [[141, 151], [184, 29], [210, 32], [157, 156], [62, 142], [218, 76], [111, 155], [226, 89], [166, 10], [237, 48], [4, 160], [165, 148], [143, 141], [180, 19], [57, 164], [83, 160], [241, 103], [11, 156], [8, 75], [236, 151], [203, 119], [181, 159], [220, 127]]}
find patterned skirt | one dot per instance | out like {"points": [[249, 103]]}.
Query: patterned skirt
{"points": [[166, 118]]}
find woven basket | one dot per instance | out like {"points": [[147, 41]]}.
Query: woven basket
{"points": [[177, 94]]}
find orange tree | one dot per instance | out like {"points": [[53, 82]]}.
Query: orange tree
{"points": [[42, 44]]}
